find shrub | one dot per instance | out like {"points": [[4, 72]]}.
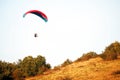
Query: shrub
{"points": [[57, 67], [116, 72], [67, 78], [111, 52], [108, 56], [67, 62], [64, 78], [87, 56]]}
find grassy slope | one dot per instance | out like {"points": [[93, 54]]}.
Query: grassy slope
{"points": [[93, 69]]}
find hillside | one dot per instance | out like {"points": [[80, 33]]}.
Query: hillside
{"points": [[93, 69]]}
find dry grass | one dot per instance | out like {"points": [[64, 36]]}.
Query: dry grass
{"points": [[93, 69]]}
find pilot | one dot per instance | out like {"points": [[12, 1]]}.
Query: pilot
{"points": [[35, 35]]}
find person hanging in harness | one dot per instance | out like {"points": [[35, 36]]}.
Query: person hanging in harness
{"points": [[35, 35]]}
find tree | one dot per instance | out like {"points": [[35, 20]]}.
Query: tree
{"points": [[28, 66], [18, 74], [6, 70], [41, 65]]}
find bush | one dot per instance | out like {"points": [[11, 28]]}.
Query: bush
{"points": [[116, 72], [111, 52], [87, 56], [108, 56], [64, 78], [67, 62], [57, 67]]}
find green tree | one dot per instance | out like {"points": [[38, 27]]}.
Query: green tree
{"points": [[6, 70], [41, 65], [28, 66], [39, 61], [18, 74]]}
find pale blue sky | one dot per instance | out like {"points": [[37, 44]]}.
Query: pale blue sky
{"points": [[74, 27]]}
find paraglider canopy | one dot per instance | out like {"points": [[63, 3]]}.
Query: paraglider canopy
{"points": [[38, 13]]}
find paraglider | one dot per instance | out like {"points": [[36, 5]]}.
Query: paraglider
{"points": [[35, 35], [38, 13]]}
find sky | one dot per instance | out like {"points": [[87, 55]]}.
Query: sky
{"points": [[74, 27]]}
